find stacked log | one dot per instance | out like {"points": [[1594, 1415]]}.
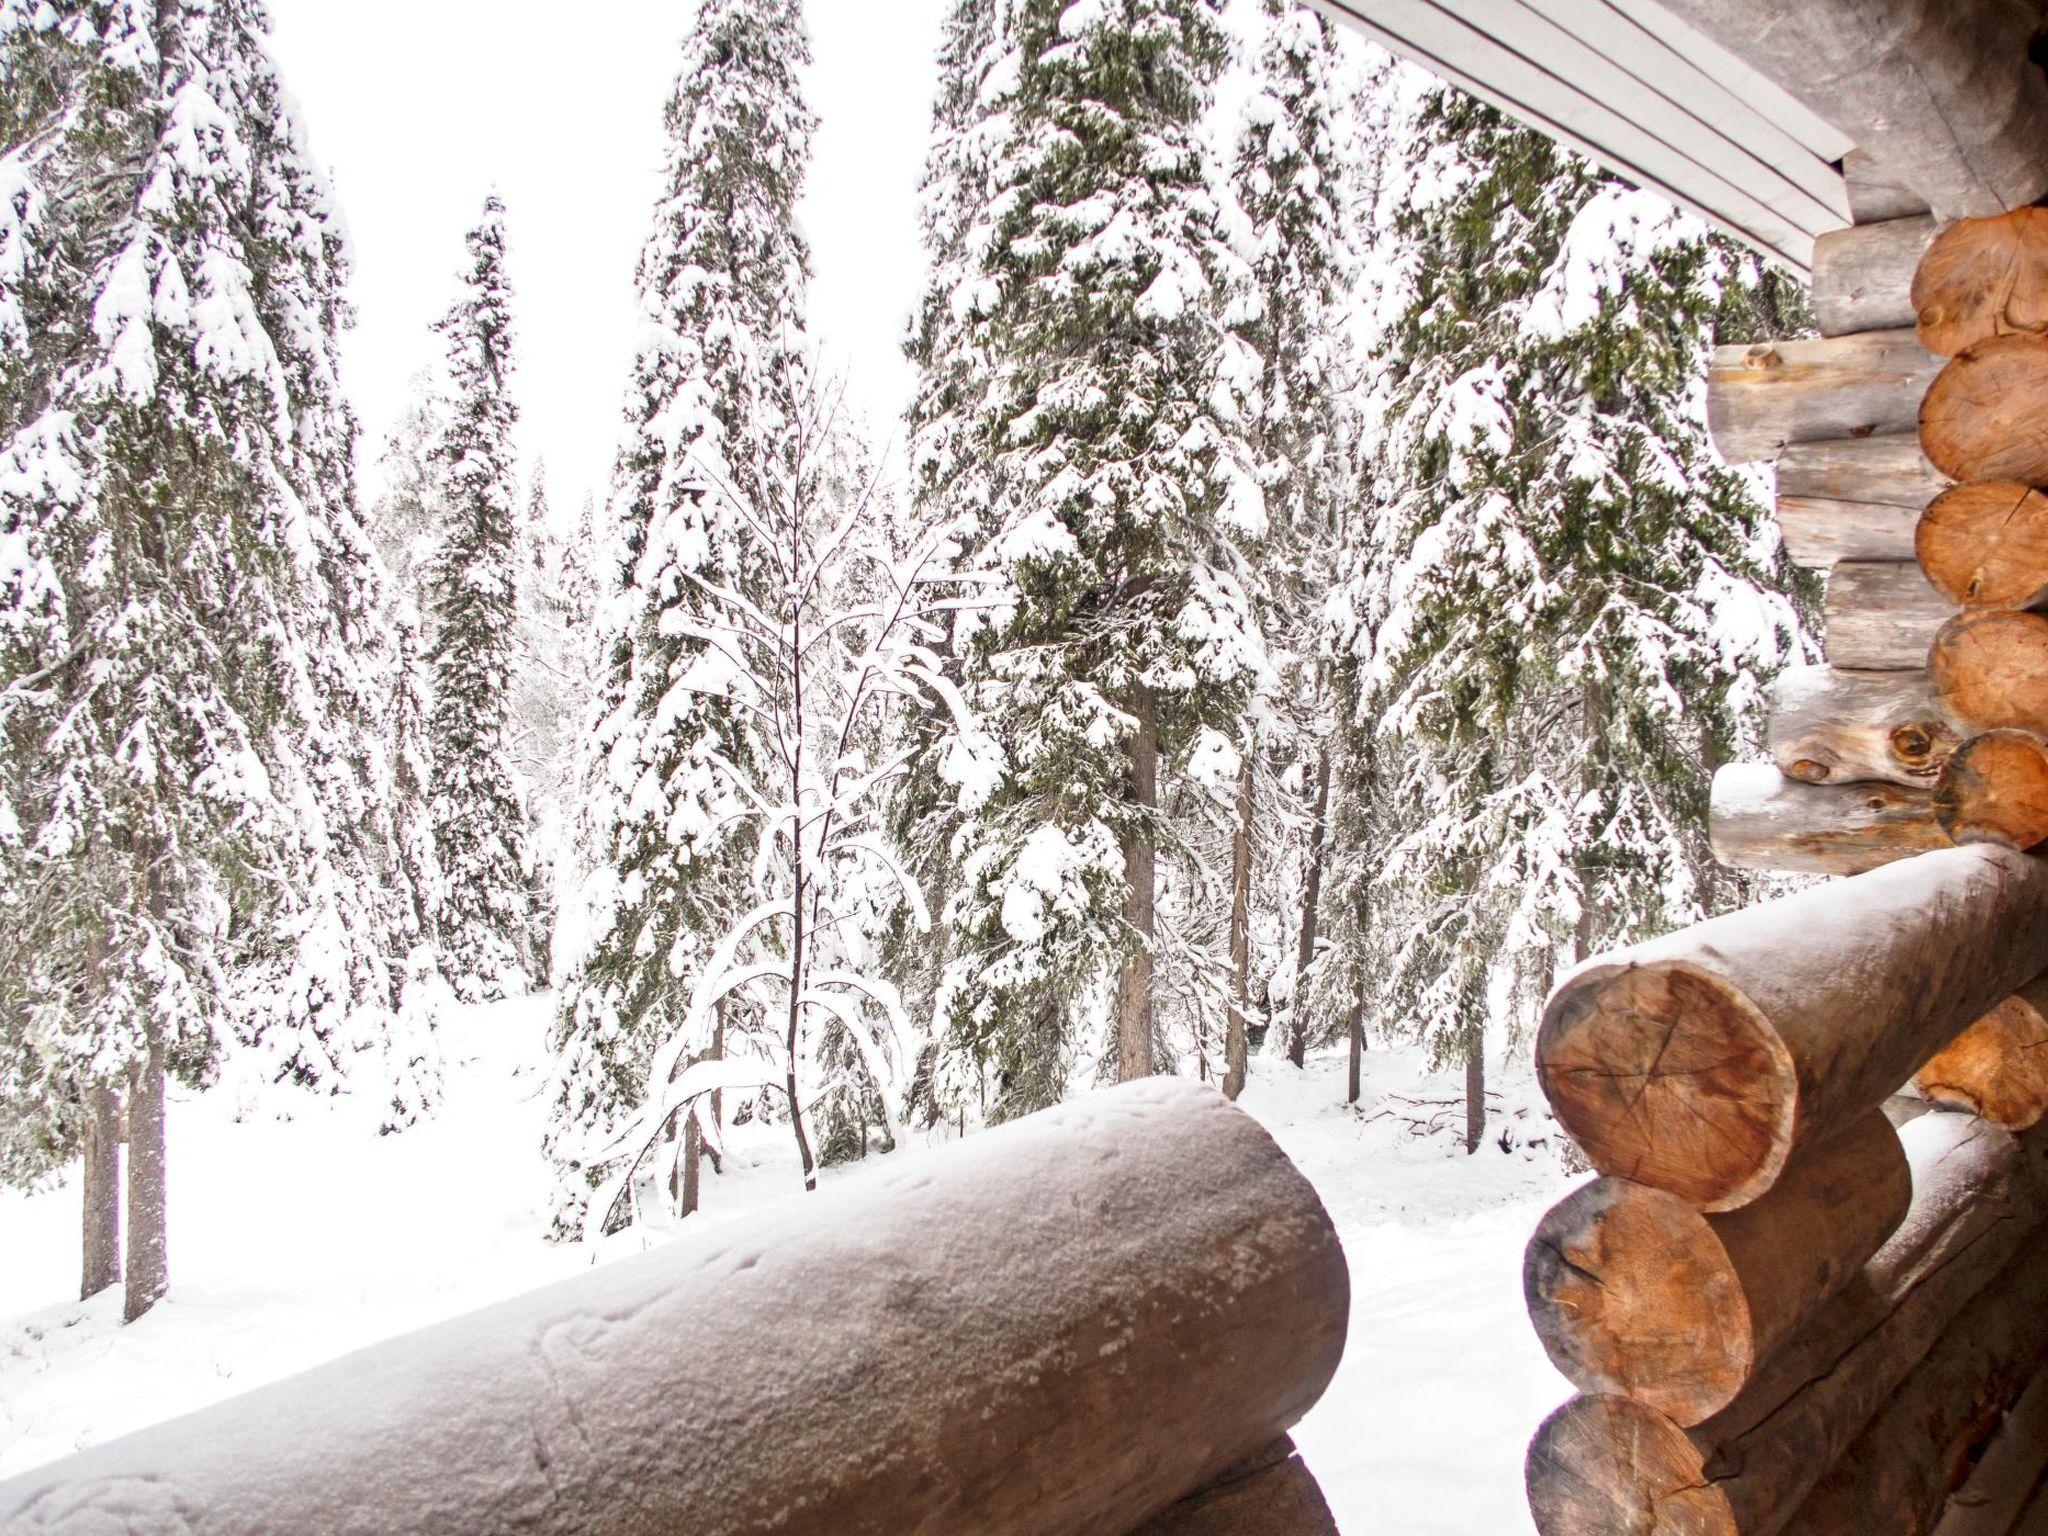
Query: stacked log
{"points": [[1998, 1067], [1937, 544]]}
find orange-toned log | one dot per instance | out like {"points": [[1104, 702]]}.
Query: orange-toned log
{"points": [[1989, 670], [1994, 789], [1893, 1480], [1608, 1464], [1985, 545], [1633, 1291], [1985, 416], [1699, 1063], [1982, 278], [1998, 1067]]}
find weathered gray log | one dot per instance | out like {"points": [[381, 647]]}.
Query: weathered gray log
{"points": [[1764, 396], [1633, 1291], [1061, 1326], [1759, 819], [1942, 92], [1890, 469], [1998, 1486], [1820, 534], [1828, 725], [1893, 1478], [1607, 1464], [1863, 275], [1875, 195], [1882, 616], [1699, 1063]]}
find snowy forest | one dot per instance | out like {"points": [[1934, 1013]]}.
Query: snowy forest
{"points": [[1297, 617]]}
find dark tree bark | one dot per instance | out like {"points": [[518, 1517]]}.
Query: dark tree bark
{"points": [[1475, 1091], [1234, 1052], [1355, 1028], [1311, 905], [148, 1248], [1134, 983], [102, 1181]]}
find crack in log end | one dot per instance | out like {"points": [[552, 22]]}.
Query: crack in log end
{"points": [[1667, 1075]]}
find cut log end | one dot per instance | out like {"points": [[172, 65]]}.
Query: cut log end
{"points": [[1989, 670], [1665, 1074], [1984, 278], [1632, 1293], [1994, 789], [1986, 415], [1607, 1466], [1997, 1069], [1985, 545]]}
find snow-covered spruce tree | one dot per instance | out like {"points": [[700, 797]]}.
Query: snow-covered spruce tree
{"points": [[1573, 604], [405, 517], [1291, 180], [1116, 492], [710, 421], [839, 642], [487, 918], [192, 662]]}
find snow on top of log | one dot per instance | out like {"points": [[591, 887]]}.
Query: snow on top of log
{"points": [[1745, 788]]}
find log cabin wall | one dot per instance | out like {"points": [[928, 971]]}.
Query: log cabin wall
{"points": [[1781, 1313]]}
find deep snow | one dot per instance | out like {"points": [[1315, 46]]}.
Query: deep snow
{"points": [[296, 1241]]}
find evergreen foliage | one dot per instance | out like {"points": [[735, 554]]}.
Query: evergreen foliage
{"points": [[711, 425], [196, 822], [487, 917], [1570, 605]]}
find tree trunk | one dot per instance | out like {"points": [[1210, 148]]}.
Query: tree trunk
{"points": [[1981, 418], [1863, 275], [1983, 278], [1698, 1063], [148, 1247], [1134, 983], [1607, 1464], [1997, 1069], [796, 978], [1990, 669], [1235, 1062], [689, 1176], [1985, 545], [1475, 1090], [1762, 397], [1882, 617], [1311, 911], [1829, 726], [1759, 819], [717, 1094], [102, 1189], [1634, 1291], [1355, 1028]]}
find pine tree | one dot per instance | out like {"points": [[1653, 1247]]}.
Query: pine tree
{"points": [[1291, 181], [193, 782], [711, 416], [1116, 492], [473, 582], [1572, 603]]}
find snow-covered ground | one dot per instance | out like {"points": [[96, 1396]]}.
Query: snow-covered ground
{"points": [[296, 1241]]}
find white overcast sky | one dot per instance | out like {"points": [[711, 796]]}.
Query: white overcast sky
{"points": [[420, 107]]}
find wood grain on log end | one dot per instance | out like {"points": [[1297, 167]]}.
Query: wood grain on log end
{"points": [[1994, 789], [1984, 278], [1985, 417], [1989, 669], [1997, 1069], [1985, 545], [1667, 1075], [1633, 1291], [1608, 1466]]}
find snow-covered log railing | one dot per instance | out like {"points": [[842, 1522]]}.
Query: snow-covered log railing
{"points": [[1097, 1319]]}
